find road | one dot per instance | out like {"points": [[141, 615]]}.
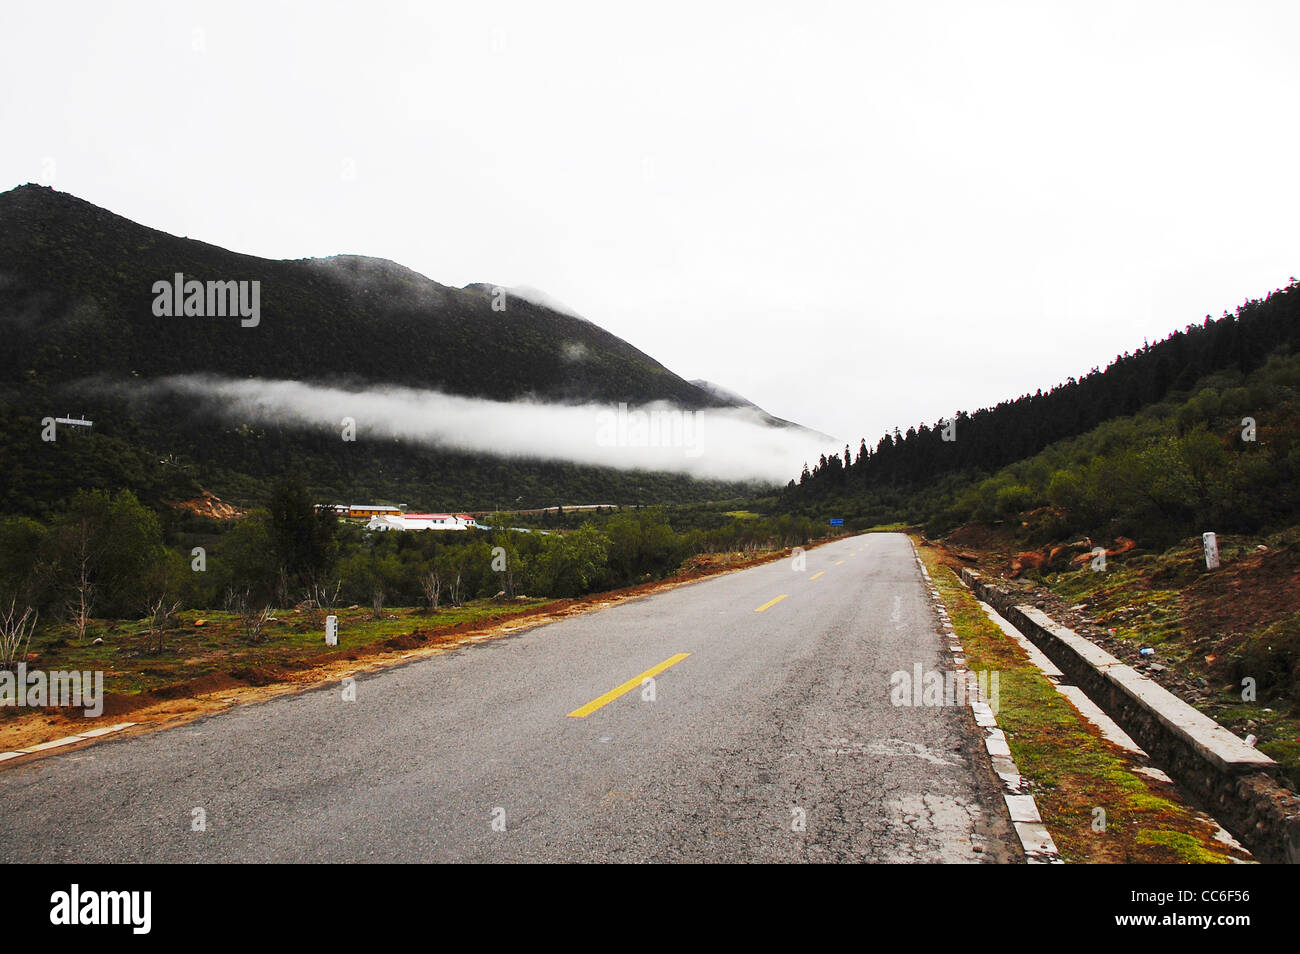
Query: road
{"points": [[774, 739]]}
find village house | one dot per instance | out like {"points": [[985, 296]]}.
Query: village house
{"points": [[421, 521]]}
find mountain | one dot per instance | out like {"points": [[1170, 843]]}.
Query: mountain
{"points": [[724, 394], [80, 301], [732, 399], [76, 297]]}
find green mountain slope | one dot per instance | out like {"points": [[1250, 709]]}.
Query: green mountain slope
{"points": [[77, 304], [76, 299]]}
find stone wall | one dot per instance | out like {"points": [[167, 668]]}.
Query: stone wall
{"points": [[1239, 785]]}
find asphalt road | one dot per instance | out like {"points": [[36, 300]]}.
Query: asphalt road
{"points": [[774, 740]]}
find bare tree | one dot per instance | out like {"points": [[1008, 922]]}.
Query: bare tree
{"points": [[282, 587], [431, 583], [15, 634], [157, 592], [252, 619], [377, 596], [455, 590], [319, 601], [312, 609], [326, 598], [508, 556], [159, 616], [81, 600]]}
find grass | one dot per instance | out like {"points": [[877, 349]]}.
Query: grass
{"points": [[203, 643], [1073, 770], [1186, 848]]}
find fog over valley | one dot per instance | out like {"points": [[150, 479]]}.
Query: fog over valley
{"points": [[719, 443]]}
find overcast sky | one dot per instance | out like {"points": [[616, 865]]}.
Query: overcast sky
{"points": [[858, 215]]}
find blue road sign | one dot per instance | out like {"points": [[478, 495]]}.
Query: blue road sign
{"points": [[837, 521]]}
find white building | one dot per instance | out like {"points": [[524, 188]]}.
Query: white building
{"points": [[421, 521]]}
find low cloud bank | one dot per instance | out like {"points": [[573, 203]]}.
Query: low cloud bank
{"points": [[723, 444]]}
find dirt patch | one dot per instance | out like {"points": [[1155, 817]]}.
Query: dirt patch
{"points": [[406, 641], [252, 676], [208, 505], [121, 703], [1246, 595], [977, 536]]}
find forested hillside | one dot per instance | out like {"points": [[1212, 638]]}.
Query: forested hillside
{"points": [[1192, 390]]}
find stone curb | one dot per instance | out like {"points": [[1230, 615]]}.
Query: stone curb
{"points": [[66, 740], [1035, 839]]}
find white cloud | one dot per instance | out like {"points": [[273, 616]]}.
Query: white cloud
{"points": [[726, 444]]}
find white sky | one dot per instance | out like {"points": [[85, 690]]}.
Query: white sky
{"points": [[857, 215]]}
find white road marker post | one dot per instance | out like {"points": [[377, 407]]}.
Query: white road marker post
{"points": [[331, 630], [1211, 544]]}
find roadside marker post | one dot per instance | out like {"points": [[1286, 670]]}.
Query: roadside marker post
{"points": [[331, 630], [1211, 544]]}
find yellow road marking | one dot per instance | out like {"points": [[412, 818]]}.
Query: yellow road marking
{"points": [[770, 603], [839, 562], [817, 574], [627, 687]]}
